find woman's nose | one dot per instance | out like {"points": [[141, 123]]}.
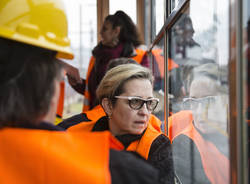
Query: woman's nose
{"points": [[144, 109]]}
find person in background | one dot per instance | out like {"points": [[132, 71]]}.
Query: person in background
{"points": [[126, 95], [33, 150], [199, 132], [120, 38]]}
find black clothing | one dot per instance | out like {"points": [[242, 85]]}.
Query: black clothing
{"points": [[160, 156], [42, 126], [74, 120], [126, 168]]}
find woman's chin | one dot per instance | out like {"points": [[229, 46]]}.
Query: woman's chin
{"points": [[138, 131], [106, 44]]}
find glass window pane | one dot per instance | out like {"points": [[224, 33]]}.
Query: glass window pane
{"points": [[159, 6], [199, 94], [157, 16], [82, 30], [128, 6]]}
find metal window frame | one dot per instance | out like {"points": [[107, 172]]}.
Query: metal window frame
{"points": [[238, 126]]}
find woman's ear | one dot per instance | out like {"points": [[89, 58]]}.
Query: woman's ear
{"points": [[107, 106]]}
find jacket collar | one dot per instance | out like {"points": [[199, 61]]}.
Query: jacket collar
{"points": [[126, 139]]}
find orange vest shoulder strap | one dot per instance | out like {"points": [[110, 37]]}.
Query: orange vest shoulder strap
{"points": [[93, 115], [86, 92], [96, 113], [83, 126], [54, 157], [143, 145], [160, 61], [215, 164], [139, 55]]}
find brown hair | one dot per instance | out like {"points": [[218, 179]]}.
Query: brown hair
{"points": [[28, 75]]}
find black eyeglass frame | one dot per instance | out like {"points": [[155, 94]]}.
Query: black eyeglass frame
{"points": [[130, 98]]}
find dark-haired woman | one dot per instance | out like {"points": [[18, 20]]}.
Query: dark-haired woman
{"points": [[120, 38]]}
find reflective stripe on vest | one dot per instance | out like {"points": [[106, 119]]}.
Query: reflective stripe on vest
{"points": [[215, 164], [40, 156], [139, 56]]}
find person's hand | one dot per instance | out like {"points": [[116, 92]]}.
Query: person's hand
{"points": [[72, 81], [73, 74]]}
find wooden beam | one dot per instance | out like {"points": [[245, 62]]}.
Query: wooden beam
{"points": [[102, 12], [140, 4]]}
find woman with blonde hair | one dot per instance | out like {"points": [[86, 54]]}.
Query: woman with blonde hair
{"points": [[126, 95]]}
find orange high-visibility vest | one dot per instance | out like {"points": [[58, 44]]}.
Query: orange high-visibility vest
{"points": [[139, 56], [141, 146], [93, 115], [160, 62], [215, 164], [178, 122], [30, 156]]}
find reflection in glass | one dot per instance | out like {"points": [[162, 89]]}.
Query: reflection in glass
{"points": [[198, 90], [194, 103]]}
